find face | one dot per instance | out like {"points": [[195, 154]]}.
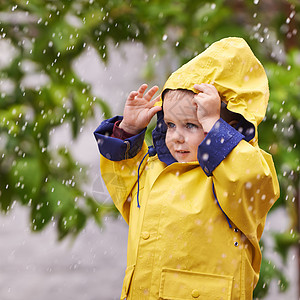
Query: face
{"points": [[184, 133]]}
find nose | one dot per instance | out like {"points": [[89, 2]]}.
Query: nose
{"points": [[178, 137]]}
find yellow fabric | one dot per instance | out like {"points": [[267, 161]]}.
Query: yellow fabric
{"points": [[232, 68], [180, 245]]}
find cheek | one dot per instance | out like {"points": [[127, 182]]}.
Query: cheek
{"points": [[168, 139], [195, 139]]}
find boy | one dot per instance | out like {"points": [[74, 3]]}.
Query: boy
{"points": [[196, 208]]}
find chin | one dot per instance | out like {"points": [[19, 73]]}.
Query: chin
{"points": [[186, 160]]}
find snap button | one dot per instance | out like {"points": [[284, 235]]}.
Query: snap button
{"points": [[145, 235], [195, 293]]}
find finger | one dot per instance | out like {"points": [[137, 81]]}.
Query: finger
{"points": [[152, 111], [201, 87], [205, 88], [198, 87], [211, 87], [148, 96], [156, 99], [200, 107], [198, 103], [151, 103], [132, 95], [142, 89], [200, 97]]}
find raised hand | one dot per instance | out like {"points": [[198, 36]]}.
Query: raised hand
{"points": [[208, 104], [139, 109]]}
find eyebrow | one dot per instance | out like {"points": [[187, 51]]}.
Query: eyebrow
{"points": [[184, 120]]}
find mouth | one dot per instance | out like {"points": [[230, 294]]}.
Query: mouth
{"points": [[182, 151]]}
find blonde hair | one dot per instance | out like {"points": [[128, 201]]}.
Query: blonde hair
{"points": [[227, 115], [177, 94]]}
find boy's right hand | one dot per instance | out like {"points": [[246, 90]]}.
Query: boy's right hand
{"points": [[139, 109]]}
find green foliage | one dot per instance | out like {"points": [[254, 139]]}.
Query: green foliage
{"points": [[44, 47], [269, 272], [280, 132], [283, 242]]}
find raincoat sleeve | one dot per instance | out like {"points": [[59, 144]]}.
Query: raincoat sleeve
{"points": [[244, 178], [119, 161]]}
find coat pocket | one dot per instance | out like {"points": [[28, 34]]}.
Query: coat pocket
{"points": [[127, 280], [180, 285]]}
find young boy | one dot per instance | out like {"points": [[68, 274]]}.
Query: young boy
{"points": [[196, 208]]}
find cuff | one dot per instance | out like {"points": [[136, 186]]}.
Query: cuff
{"points": [[218, 143], [114, 148], [119, 133]]}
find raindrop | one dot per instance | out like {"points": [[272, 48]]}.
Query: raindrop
{"points": [[205, 156], [248, 185]]}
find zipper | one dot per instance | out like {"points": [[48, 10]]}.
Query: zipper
{"points": [[127, 149]]}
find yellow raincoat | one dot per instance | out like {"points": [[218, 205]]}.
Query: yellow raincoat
{"points": [[194, 227]]}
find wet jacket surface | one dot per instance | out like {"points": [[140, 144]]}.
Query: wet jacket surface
{"points": [[195, 232]]}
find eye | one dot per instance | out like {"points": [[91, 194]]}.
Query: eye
{"points": [[170, 125], [191, 125]]}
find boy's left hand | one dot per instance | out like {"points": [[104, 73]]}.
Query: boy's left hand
{"points": [[208, 104]]}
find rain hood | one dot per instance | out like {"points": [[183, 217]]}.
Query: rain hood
{"points": [[237, 74]]}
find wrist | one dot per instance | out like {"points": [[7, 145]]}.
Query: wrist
{"points": [[129, 129], [208, 124]]}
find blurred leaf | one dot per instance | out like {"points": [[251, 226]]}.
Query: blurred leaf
{"points": [[6, 194], [26, 178], [269, 272], [104, 107], [73, 221], [283, 242]]}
